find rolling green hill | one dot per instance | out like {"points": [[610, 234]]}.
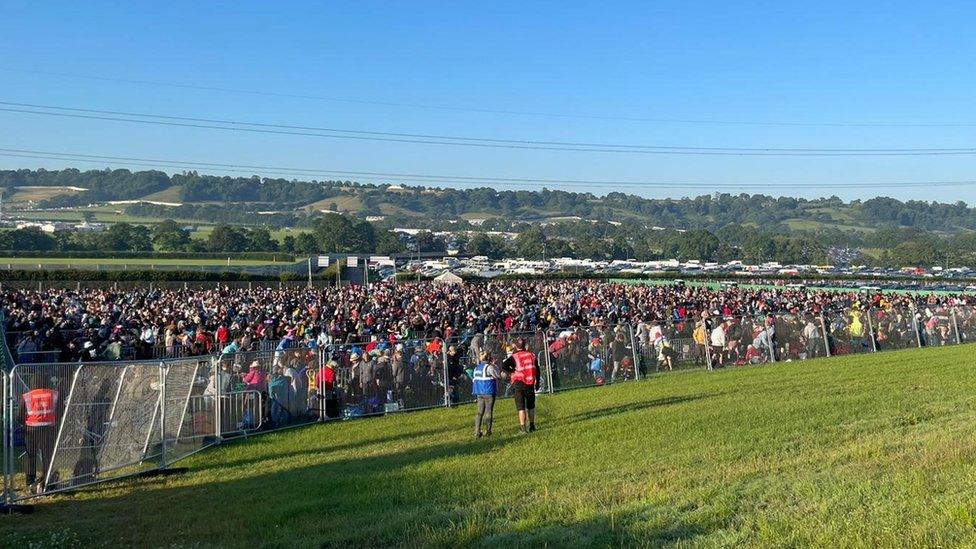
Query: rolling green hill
{"points": [[255, 193], [854, 451]]}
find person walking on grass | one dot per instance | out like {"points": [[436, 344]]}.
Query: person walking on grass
{"points": [[525, 379], [484, 388]]}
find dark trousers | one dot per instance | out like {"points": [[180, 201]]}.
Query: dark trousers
{"points": [[40, 445], [486, 405]]}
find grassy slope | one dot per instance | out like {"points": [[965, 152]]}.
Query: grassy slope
{"points": [[813, 224], [873, 450], [36, 195], [102, 215], [346, 202], [174, 193]]}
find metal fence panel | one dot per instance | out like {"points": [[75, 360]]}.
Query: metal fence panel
{"points": [[798, 337], [893, 328], [721, 342], [501, 346], [378, 377], [936, 325], [33, 447], [4, 386], [966, 323], [282, 378], [169, 351], [83, 425], [589, 356], [240, 413], [131, 417], [848, 332], [676, 347], [63, 447], [189, 417]]}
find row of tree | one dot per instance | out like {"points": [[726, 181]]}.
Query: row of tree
{"points": [[345, 234], [240, 198]]}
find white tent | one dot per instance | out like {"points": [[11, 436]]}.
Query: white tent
{"points": [[449, 278]]}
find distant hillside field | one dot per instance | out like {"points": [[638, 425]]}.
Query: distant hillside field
{"points": [[38, 194], [853, 451], [172, 194], [704, 211]]}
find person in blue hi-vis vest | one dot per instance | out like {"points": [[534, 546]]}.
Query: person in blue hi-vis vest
{"points": [[484, 388]]}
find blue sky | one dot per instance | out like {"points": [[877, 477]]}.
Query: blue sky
{"points": [[826, 62]]}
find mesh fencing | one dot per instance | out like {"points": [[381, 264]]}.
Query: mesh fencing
{"points": [[380, 377], [67, 425], [280, 377], [585, 356], [127, 439], [189, 415], [965, 323], [893, 328], [4, 443], [848, 332], [747, 340], [78, 423], [665, 347], [798, 337], [500, 346], [936, 326]]}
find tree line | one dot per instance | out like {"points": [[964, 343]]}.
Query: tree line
{"points": [[241, 197], [579, 239]]}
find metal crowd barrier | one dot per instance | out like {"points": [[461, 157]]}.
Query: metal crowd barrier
{"points": [[69, 425], [115, 419]]}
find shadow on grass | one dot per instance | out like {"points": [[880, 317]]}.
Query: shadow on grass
{"points": [[632, 407], [439, 493], [373, 500], [321, 447], [376, 500]]}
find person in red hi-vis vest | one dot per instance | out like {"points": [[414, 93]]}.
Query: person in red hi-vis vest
{"points": [[524, 371], [40, 417]]}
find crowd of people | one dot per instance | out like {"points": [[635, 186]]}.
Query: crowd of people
{"points": [[88, 324], [401, 345], [312, 354]]}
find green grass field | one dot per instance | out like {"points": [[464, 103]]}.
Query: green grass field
{"points": [[813, 224], [867, 451], [37, 194], [173, 193], [102, 215], [17, 262]]}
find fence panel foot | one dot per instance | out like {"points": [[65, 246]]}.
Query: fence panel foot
{"points": [[15, 509]]}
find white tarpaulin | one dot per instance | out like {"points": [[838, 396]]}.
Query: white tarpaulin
{"points": [[449, 278]]}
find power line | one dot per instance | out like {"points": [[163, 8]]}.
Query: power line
{"points": [[232, 125], [498, 111], [440, 179]]}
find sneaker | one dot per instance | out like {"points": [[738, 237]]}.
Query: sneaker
{"points": [[522, 431], [532, 428], [477, 435]]}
